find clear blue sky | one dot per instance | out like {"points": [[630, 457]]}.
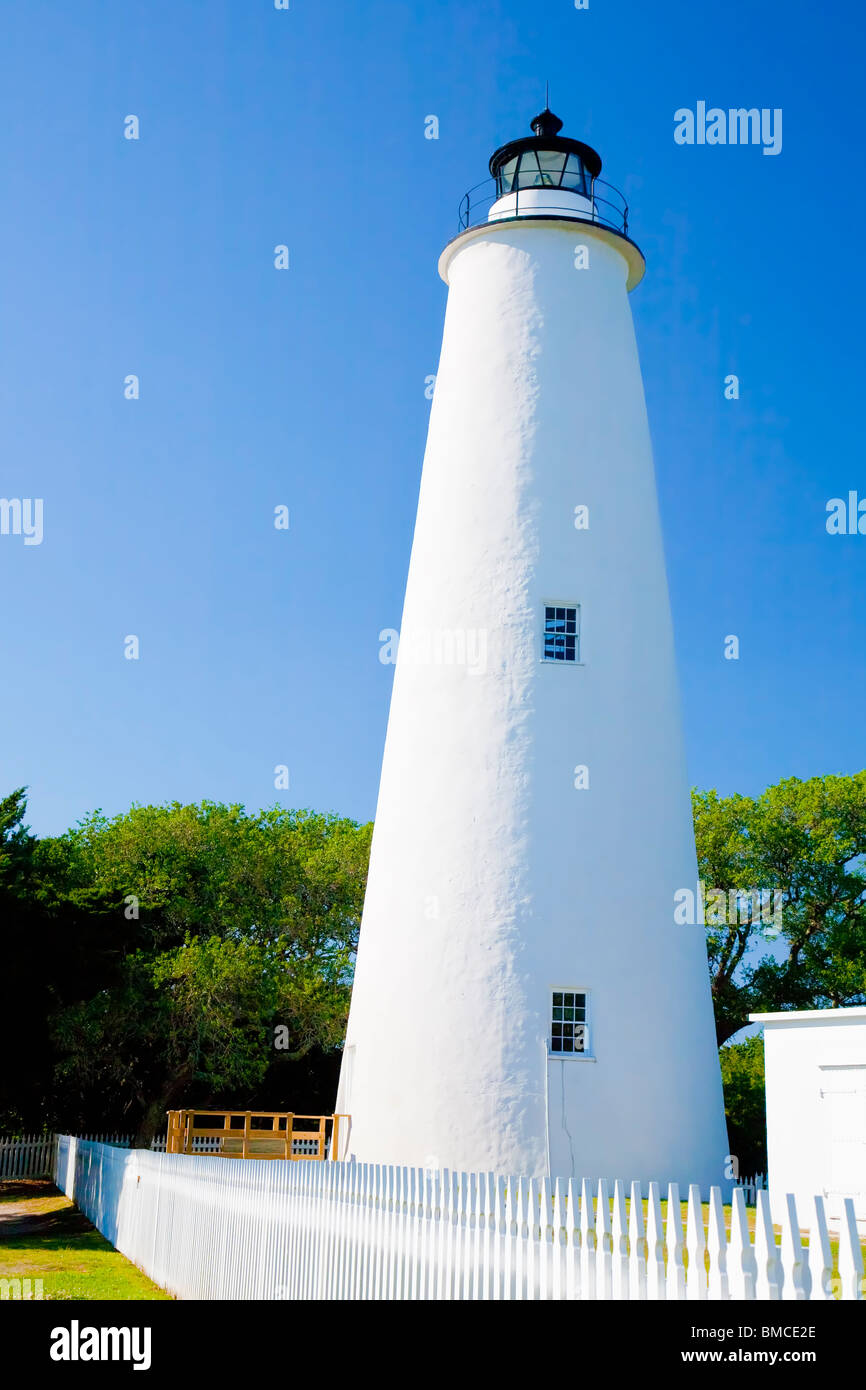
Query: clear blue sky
{"points": [[306, 387]]}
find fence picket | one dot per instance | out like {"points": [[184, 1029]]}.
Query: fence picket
{"points": [[717, 1284], [588, 1244], [619, 1242], [571, 1221], [794, 1260], [637, 1284], [696, 1245], [655, 1236], [603, 1244], [675, 1240], [850, 1255], [768, 1284], [742, 1267]]}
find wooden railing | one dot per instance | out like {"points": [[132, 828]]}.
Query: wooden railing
{"points": [[254, 1134]]}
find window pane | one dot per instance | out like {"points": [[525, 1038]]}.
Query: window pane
{"points": [[506, 175], [556, 1044], [557, 998], [557, 1013], [529, 175], [552, 164], [574, 177]]}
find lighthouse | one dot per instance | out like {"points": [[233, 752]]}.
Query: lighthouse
{"points": [[524, 1000]]}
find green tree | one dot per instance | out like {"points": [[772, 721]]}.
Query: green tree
{"points": [[745, 1107], [245, 924], [807, 840], [55, 947]]}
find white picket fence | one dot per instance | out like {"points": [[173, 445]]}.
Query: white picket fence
{"points": [[34, 1155], [205, 1144], [212, 1228], [30, 1156], [752, 1186], [201, 1144]]}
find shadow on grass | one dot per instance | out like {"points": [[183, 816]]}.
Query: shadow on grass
{"points": [[44, 1237]]}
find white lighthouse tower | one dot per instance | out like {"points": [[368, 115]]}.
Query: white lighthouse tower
{"points": [[524, 1000]]}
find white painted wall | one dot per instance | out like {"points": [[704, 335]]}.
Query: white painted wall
{"points": [[543, 200], [815, 1067], [492, 880]]}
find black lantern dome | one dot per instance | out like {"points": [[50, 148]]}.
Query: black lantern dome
{"points": [[545, 159]]}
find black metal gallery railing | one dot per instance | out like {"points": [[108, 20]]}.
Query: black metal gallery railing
{"points": [[605, 204]]}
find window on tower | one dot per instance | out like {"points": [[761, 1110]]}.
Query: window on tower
{"points": [[569, 1027], [561, 633]]}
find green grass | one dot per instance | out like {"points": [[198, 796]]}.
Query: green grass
{"points": [[44, 1236]]}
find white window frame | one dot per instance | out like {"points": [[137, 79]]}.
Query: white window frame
{"points": [[578, 644], [587, 1055]]}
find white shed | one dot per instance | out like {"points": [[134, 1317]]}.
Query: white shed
{"points": [[815, 1066]]}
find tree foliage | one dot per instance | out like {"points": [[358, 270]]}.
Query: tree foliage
{"points": [[745, 1106], [806, 839], [185, 937]]}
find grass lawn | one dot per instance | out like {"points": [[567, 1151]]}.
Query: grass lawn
{"points": [[44, 1236]]}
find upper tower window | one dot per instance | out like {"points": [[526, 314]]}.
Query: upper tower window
{"points": [[561, 633]]}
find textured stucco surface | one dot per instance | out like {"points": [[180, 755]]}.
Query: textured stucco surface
{"points": [[492, 879]]}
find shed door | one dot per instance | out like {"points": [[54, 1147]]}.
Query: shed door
{"points": [[843, 1088]]}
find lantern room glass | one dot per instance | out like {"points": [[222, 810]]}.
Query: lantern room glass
{"points": [[543, 169]]}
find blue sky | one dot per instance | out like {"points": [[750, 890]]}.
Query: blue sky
{"points": [[306, 387]]}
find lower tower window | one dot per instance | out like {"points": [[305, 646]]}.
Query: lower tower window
{"points": [[569, 1027]]}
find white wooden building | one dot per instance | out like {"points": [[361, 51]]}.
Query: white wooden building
{"points": [[815, 1063]]}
